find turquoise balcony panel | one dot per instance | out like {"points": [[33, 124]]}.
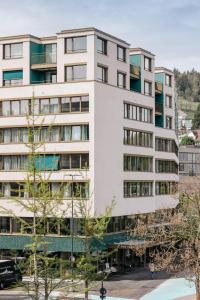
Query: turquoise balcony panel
{"points": [[46, 163], [160, 77], [43, 54], [135, 85], [61, 243], [9, 75], [135, 59]]}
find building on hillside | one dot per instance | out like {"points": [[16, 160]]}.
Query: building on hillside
{"points": [[189, 168], [110, 108]]}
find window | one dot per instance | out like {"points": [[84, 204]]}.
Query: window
{"points": [[65, 133], [75, 104], [102, 73], [76, 190], [168, 80], [138, 113], [138, 189], [13, 50], [166, 145], [121, 80], [13, 78], [147, 88], [168, 122], [84, 103], [74, 161], [147, 63], [75, 44], [101, 46], [166, 166], [168, 101], [138, 138], [75, 72], [166, 187], [138, 163], [121, 53]]}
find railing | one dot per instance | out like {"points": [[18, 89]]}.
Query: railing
{"points": [[158, 87], [158, 108], [135, 71], [44, 58], [45, 81]]}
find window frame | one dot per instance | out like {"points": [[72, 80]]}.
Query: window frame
{"points": [[72, 41], [123, 59], [10, 48]]}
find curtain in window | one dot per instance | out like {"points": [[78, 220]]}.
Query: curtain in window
{"points": [[67, 133], [76, 133], [14, 164], [7, 163], [54, 134], [7, 136], [15, 137], [85, 132], [7, 189]]}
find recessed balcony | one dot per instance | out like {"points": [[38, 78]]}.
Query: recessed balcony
{"points": [[158, 109], [44, 61], [158, 87]]}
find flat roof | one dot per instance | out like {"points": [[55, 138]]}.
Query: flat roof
{"points": [[163, 69], [85, 29], [141, 49]]}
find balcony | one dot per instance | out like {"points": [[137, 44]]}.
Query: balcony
{"points": [[158, 109], [135, 71], [158, 87], [45, 60]]}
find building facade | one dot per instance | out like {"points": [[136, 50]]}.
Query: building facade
{"points": [[109, 109]]}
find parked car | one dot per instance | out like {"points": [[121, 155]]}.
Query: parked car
{"points": [[9, 273]]}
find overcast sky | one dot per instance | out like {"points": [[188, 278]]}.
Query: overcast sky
{"points": [[168, 28]]}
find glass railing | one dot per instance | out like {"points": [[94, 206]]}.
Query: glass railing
{"points": [[135, 71], [44, 58], [158, 87], [158, 108]]}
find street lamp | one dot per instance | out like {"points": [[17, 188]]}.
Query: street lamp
{"points": [[102, 291]]}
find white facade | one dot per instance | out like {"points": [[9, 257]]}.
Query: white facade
{"points": [[105, 118]]}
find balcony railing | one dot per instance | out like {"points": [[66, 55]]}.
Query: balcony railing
{"points": [[158, 109], [44, 58], [158, 87], [135, 71]]}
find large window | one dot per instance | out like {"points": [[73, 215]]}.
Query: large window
{"points": [[75, 44], [166, 145], [166, 187], [44, 106], [121, 80], [168, 101], [138, 113], [61, 161], [166, 166], [121, 53], [138, 138], [138, 163], [101, 46], [14, 50], [67, 133], [138, 189], [147, 88], [75, 189], [168, 124], [12, 78], [102, 73], [75, 72], [147, 63]]}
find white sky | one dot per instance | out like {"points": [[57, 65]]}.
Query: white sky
{"points": [[168, 28]]}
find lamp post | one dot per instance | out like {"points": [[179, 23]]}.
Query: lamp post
{"points": [[102, 291], [72, 259]]}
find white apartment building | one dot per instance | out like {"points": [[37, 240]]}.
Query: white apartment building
{"points": [[109, 108]]}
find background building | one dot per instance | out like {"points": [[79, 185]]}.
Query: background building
{"points": [[111, 110]]}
